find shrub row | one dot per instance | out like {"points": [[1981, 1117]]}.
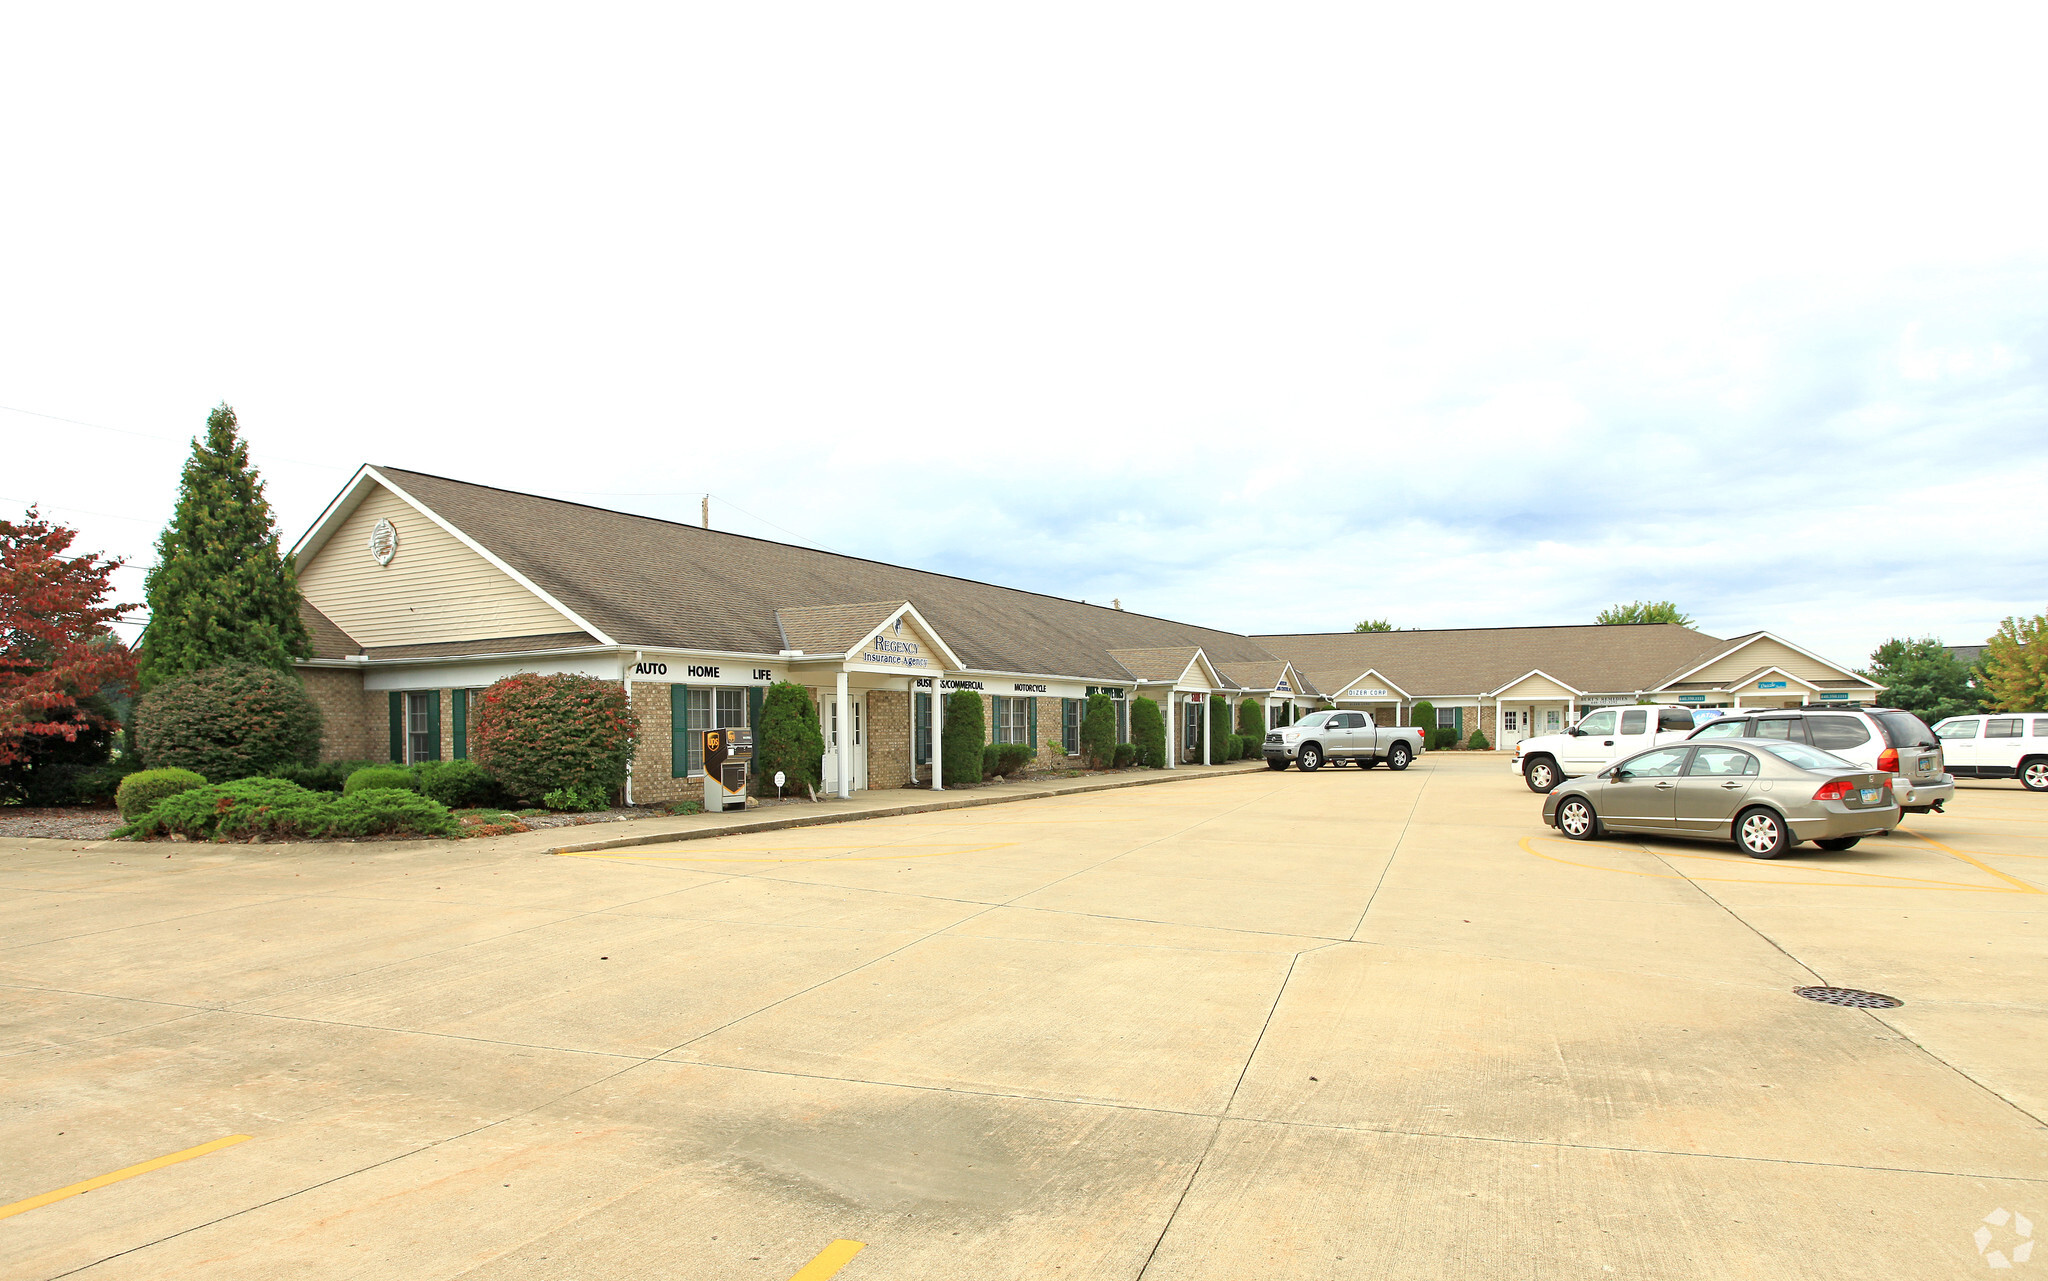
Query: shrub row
{"points": [[1005, 759], [276, 808]]}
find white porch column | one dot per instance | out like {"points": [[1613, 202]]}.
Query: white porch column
{"points": [[1172, 743], [1208, 723], [938, 723], [842, 747]]}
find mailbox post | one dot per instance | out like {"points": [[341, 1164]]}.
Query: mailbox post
{"points": [[728, 754]]}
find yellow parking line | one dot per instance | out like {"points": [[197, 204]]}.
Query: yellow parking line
{"points": [[828, 1261], [709, 858], [1942, 886], [2022, 886], [37, 1202]]}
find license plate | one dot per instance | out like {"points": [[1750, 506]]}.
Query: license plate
{"points": [[1870, 795], [1927, 762]]}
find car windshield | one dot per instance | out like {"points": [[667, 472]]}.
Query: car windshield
{"points": [[1809, 758], [1312, 720], [1904, 729]]}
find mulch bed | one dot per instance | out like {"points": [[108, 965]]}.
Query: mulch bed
{"points": [[63, 824]]}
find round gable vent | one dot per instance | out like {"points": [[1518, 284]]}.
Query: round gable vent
{"points": [[384, 542]]}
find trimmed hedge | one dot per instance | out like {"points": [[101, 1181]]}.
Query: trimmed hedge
{"points": [[140, 791], [231, 721], [1251, 719], [788, 739], [539, 734], [327, 776], [1148, 733], [1477, 742], [1098, 731], [275, 808], [1126, 756], [1012, 758], [1219, 730], [577, 800], [1443, 740], [460, 785], [381, 776], [1423, 716], [961, 739]]}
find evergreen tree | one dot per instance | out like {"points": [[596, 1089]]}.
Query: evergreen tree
{"points": [[1098, 731], [1373, 625], [1251, 719], [964, 735], [221, 590], [1922, 677], [788, 739], [1148, 732], [1644, 611]]}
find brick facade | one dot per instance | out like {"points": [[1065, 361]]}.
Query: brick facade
{"points": [[354, 723], [888, 733], [651, 751]]}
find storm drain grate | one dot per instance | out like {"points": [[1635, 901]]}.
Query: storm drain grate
{"points": [[1851, 997]]}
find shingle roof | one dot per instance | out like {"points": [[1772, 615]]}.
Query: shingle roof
{"points": [[1476, 660], [658, 584], [329, 641], [498, 645], [1156, 664], [1264, 675], [832, 629]]}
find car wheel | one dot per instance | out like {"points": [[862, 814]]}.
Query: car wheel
{"points": [[1576, 819], [2034, 774], [1309, 760], [1838, 843], [1540, 774], [1397, 757], [1367, 762], [1762, 833], [1276, 762]]}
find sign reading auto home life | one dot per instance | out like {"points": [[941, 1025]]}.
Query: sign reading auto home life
{"points": [[662, 673]]}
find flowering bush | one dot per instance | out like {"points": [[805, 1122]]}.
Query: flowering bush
{"points": [[542, 734]]}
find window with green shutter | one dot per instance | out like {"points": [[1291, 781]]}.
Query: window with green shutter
{"points": [[459, 706]]}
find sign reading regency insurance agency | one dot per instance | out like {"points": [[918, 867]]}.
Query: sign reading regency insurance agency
{"points": [[890, 647]]}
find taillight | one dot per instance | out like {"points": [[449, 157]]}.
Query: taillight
{"points": [[1835, 790], [1888, 760]]}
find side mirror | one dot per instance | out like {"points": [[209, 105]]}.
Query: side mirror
{"points": [[1575, 731], [1621, 776]]}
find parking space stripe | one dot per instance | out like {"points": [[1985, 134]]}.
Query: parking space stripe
{"points": [[47, 1198], [829, 1260], [2023, 887]]}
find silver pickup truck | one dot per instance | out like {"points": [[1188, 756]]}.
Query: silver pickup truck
{"points": [[1337, 737]]}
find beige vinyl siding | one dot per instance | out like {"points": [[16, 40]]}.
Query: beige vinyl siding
{"points": [[1195, 677], [434, 589], [1532, 688], [1764, 653]]}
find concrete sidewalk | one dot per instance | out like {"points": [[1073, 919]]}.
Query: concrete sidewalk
{"points": [[862, 805]]}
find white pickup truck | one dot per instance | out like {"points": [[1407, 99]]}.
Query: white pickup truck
{"points": [[1597, 741], [1338, 737]]}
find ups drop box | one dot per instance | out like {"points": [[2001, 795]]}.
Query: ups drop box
{"points": [[728, 754]]}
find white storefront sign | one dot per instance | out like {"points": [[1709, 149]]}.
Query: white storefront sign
{"points": [[1367, 693], [706, 672]]}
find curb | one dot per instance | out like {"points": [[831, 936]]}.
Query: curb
{"points": [[893, 811]]}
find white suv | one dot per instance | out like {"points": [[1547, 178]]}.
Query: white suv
{"points": [[2000, 745], [1877, 738]]}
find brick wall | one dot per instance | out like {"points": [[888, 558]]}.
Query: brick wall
{"points": [[355, 725], [651, 755], [888, 732]]}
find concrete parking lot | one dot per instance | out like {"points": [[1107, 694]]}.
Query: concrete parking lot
{"points": [[1349, 1024]]}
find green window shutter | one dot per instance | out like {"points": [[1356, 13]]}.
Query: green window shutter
{"points": [[995, 718], [1031, 724], [434, 724], [1458, 720], [754, 697], [461, 709], [397, 728], [678, 731]]}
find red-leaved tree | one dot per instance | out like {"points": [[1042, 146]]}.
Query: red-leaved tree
{"points": [[56, 647]]}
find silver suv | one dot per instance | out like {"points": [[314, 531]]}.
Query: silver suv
{"points": [[1877, 738]]}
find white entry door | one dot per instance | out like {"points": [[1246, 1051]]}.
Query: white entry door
{"points": [[1514, 726], [857, 752]]}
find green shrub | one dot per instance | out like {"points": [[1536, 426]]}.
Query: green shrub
{"points": [[459, 785], [1443, 740], [962, 738], [991, 760], [139, 792], [276, 808], [327, 776], [538, 734], [1477, 742], [1240, 747], [369, 776], [1126, 755], [233, 721], [60, 783], [1011, 758], [1219, 729], [1098, 731], [1251, 719], [577, 800], [788, 739], [50, 769], [1423, 717], [1148, 733]]}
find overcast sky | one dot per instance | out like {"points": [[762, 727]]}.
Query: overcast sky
{"points": [[1264, 317]]}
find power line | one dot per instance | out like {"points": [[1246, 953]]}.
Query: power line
{"points": [[149, 435]]}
